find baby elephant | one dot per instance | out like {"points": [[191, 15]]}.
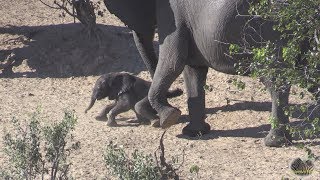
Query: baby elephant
{"points": [[129, 92]]}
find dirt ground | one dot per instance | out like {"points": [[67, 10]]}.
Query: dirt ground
{"points": [[56, 67]]}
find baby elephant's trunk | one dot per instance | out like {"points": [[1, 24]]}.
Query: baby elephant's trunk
{"points": [[93, 100], [174, 93]]}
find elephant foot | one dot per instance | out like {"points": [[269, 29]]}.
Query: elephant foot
{"points": [[133, 121], [140, 121], [101, 118], [156, 123], [169, 117], [7, 72], [192, 130], [145, 122], [278, 137], [112, 123]]}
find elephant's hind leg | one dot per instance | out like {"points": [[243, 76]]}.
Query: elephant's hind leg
{"points": [[172, 56], [278, 135], [144, 43], [103, 114], [195, 79]]}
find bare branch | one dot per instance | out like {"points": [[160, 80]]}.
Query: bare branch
{"points": [[49, 5], [243, 15], [161, 147], [168, 167], [316, 37], [65, 9]]}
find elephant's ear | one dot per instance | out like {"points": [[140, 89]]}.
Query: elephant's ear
{"points": [[127, 83], [121, 83], [138, 15]]}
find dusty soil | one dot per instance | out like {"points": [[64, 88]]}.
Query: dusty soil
{"points": [[55, 67]]}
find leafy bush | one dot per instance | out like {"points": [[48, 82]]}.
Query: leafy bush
{"points": [[139, 166], [36, 152], [297, 61], [293, 59]]}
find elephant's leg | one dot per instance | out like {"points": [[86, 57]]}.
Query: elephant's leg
{"points": [[195, 79], [315, 90], [145, 110], [103, 114], [144, 43], [140, 119], [278, 135], [122, 105], [146, 113], [172, 56]]}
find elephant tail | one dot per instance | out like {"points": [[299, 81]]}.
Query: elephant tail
{"points": [[174, 93]]}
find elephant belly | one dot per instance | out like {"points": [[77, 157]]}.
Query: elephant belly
{"points": [[212, 31]]}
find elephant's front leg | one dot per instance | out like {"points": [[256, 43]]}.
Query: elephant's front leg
{"points": [[123, 104], [195, 79], [278, 135], [172, 56]]}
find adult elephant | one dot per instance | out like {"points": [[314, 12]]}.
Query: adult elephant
{"points": [[140, 17], [195, 35]]}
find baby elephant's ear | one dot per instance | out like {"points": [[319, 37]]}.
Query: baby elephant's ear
{"points": [[127, 83]]}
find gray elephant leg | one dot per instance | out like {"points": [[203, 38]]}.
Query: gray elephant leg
{"points": [[195, 79], [122, 105], [278, 135], [103, 114], [315, 91], [144, 108], [172, 56], [144, 43], [146, 112], [140, 119]]}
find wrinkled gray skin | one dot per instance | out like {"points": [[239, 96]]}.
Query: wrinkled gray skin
{"points": [[129, 92], [140, 17], [195, 35]]}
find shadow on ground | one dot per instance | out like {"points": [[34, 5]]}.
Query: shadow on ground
{"points": [[253, 132], [312, 111], [240, 106], [64, 50]]}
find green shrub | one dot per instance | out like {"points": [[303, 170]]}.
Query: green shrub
{"points": [[291, 60], [139, 166], [297, 62], [36, 152]]}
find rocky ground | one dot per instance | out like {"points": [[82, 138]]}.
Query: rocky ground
{"points": [[56, 66]]}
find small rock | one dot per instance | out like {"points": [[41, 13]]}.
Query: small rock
{"points": [[30, 94]]}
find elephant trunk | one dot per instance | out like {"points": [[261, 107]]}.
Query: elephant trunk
{"points": [[93, 100]]}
